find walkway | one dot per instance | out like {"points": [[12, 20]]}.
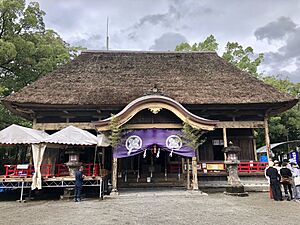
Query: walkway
{"points": [[173, 207]]}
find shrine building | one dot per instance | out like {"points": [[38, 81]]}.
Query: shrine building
{"points": [[151, 95]]}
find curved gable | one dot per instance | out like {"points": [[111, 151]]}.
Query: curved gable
{"points": [[155, 103]]}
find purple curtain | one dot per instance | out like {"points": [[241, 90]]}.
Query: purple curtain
{"points": [[138, 141]]}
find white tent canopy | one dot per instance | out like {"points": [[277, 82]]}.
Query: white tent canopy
{"points": [[103, 140], [16, 134], [75, 136], [263, 149]]}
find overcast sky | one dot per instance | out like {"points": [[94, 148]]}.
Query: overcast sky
{"points": [[269, 26]]}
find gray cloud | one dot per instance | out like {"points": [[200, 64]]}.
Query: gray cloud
{"points": [[276, 30], [141, 25], [286, 60], [292, 47], [166, 18], [295, 74], [91, 41], [168, 42]]}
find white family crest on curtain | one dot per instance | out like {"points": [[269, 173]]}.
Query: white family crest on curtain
{"points": [[37, 154], [173, 142], [133, 143]]}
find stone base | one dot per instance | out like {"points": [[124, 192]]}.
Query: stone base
{"points": [[196, 192], [236, 191], [68, 194], [114, 192]]}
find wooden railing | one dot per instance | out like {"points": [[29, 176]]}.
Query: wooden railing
{"points": [[27, 170], [243, 167], [252, 167], [91, 169]]}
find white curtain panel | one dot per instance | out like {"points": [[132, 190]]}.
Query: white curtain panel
{"points": [[37, 153]]}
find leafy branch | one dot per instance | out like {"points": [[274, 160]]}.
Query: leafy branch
{"points": [[192, 136], [115, 131]]}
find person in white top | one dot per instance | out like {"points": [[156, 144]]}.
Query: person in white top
{"points": [[276, 165], [296, 180]]}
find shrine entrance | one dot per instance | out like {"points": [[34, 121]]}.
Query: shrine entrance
{"points": [[154, 167], [158, 129], [152, 157]]}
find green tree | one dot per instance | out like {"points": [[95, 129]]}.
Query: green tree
{"points": [[192, 136], [285, 126], [27, 49], [209, 44], [114, 131], [243, 58]]}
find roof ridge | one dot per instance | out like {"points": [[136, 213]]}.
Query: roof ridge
{"points": [[146, 52]]}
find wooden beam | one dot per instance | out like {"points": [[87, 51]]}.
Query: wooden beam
{"points": [[240, 124], [59, 126], [91, 126], [153, 125]]}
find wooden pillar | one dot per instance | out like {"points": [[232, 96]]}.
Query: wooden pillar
{"points": [[254, 146], [225, 141], [197, 155], [188, 181], [195, 174], [34, 123], [267, 137], [103, 158], [33, 127], [182, 165], [114, 175]]}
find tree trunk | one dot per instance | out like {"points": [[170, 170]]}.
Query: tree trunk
{"points": [[188, 181], [195, 175], [114, 175]]}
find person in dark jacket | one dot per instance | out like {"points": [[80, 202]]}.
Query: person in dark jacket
{"points": [[78, 184], [286, 180], [274, 176]]}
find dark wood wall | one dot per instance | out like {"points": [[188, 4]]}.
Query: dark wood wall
{"points": [[146, 116], [240, 137]]}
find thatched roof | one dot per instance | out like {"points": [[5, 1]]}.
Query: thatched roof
{"points": [[105, 78]]}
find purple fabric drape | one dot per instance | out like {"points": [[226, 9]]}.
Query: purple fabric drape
{"points": [[137, 141]]}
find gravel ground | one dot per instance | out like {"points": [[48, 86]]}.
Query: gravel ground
{"points": [[155, 207]]}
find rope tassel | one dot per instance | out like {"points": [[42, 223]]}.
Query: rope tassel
{"points": [[157, 155]]}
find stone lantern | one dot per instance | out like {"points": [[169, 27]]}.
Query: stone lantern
{"points": [[73, 163], [234, 185]]}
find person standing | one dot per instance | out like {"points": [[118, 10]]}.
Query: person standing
{"points": [[286, 180], [78, 184], [296, 180], [277, 166], [274, 177]]}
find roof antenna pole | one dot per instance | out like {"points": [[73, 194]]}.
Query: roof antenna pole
{"points": [[107, 37]]}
